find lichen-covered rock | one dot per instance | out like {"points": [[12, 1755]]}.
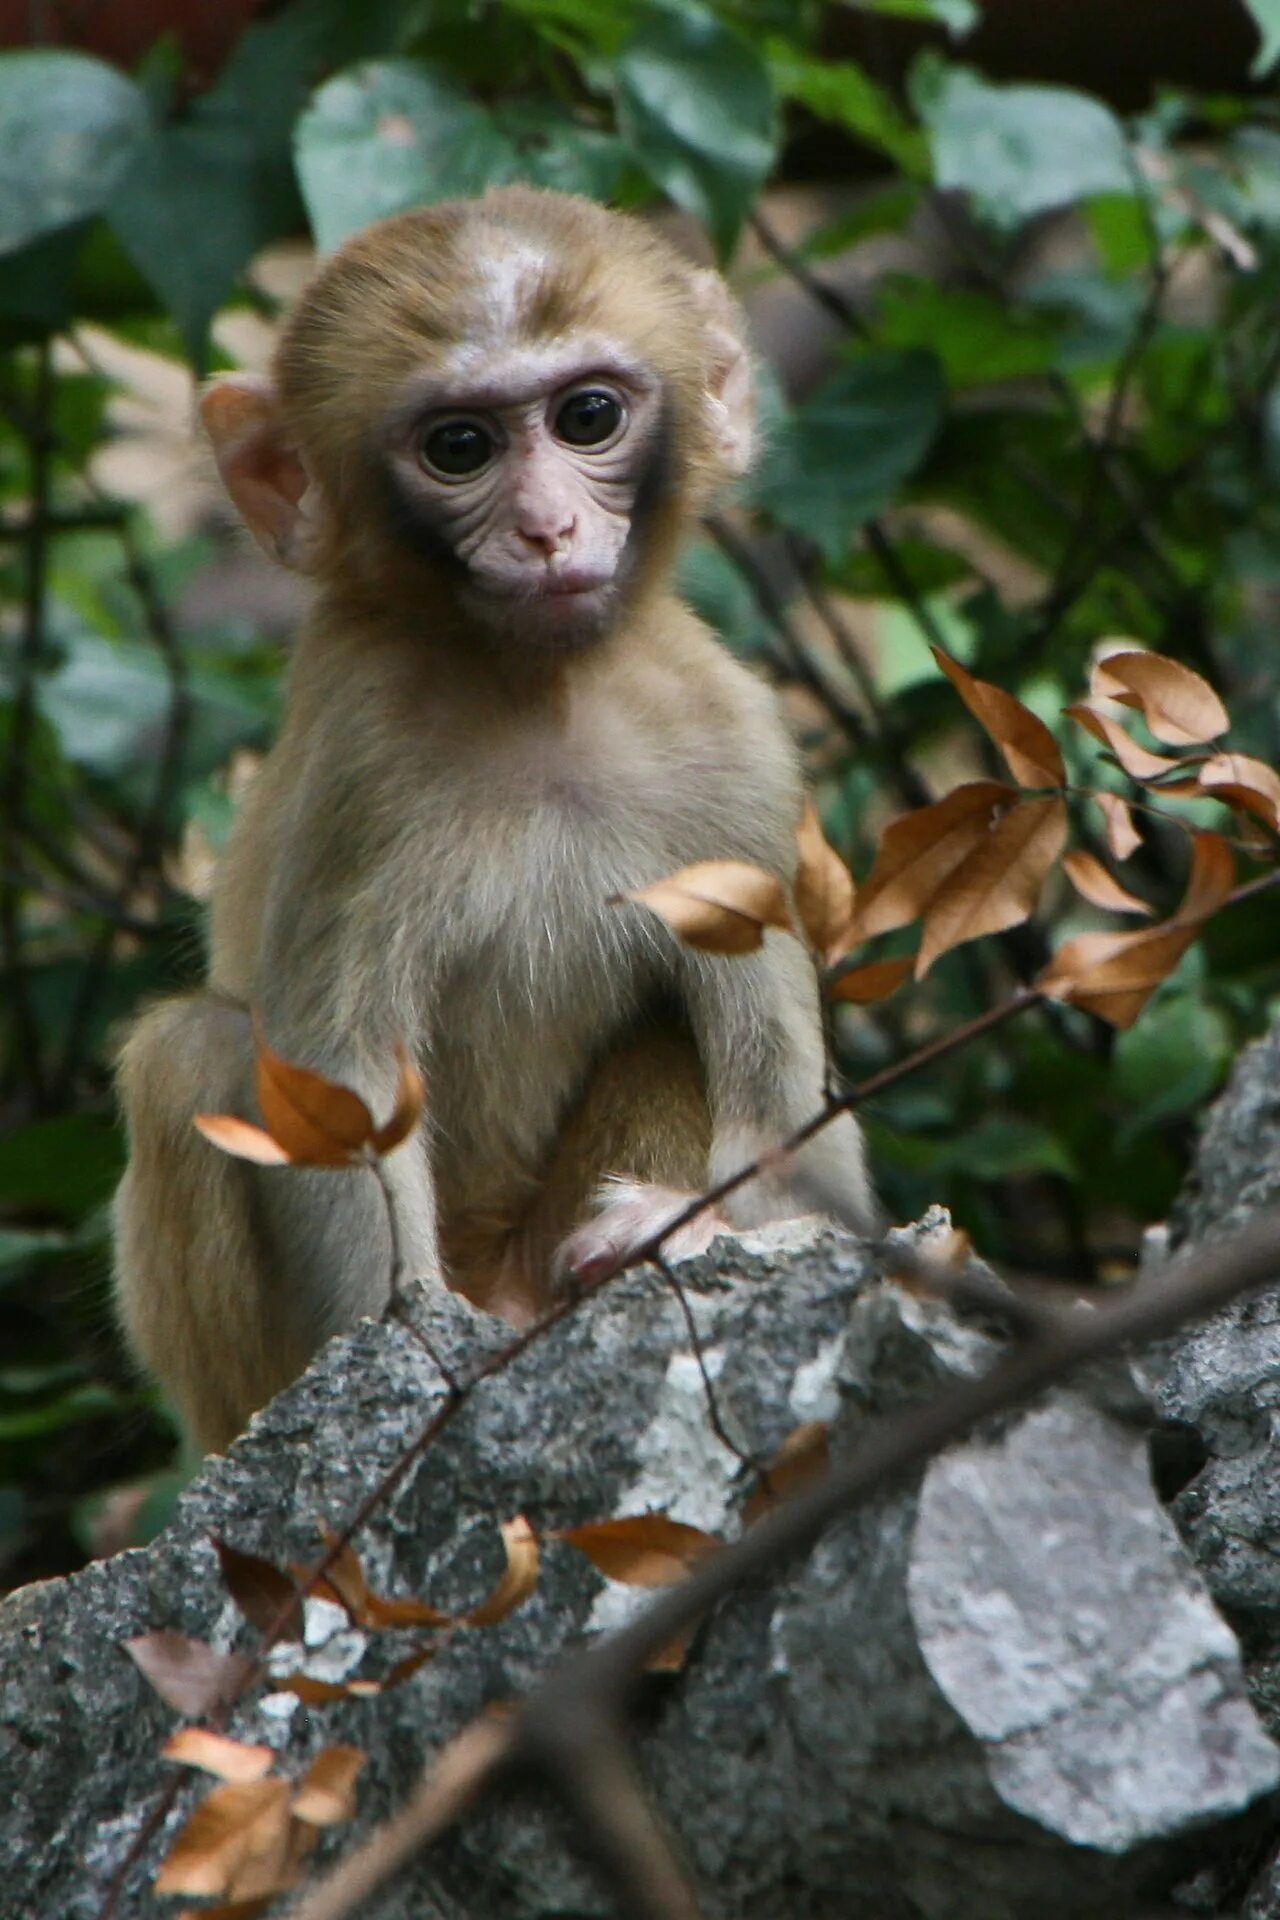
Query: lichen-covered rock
{"points": [[998, 1694]]}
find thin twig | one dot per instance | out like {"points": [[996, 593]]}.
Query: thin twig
{"points": [[824, 295], [714, 1416], [13, 970]]}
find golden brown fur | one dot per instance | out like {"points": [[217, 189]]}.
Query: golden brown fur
{"points": [[429, 850]]}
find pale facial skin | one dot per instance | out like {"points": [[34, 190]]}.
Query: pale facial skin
{"points": [[529, 472]]}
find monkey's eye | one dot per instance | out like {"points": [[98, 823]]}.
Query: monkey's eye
{"points": [[457, 447], [588, 419]]}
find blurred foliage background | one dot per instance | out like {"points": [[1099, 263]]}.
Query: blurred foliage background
{"points": [[1014, 273]]}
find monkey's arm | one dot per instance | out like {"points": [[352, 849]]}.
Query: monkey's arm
{"points": [[758, 1024]]}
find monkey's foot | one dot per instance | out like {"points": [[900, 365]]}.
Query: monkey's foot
{"points": [[631, 1213]]}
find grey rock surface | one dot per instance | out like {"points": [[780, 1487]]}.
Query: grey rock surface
{"points": [[1000, 1694]]}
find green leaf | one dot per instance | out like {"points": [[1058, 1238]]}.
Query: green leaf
{"points": [[695, 105], [977, 339], [843, 455], [1017, 151], [554, 152], [69, 127], [1266, 15], [66, 1166], [390, 135], [957, 16], [1169, 1063], [841, 92]]}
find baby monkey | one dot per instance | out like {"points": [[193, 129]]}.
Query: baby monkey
{"points": [[489, 425]]}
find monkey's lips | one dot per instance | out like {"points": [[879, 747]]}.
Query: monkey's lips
{"points": [[567, 605]]}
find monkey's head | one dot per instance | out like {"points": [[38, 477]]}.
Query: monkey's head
{"points": [[508, 406]]}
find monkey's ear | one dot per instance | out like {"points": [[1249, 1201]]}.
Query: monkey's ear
{"points": [[265, 476], [730, 387]]}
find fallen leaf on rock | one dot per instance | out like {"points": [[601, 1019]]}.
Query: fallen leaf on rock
{"points": [[642, 1549], [326, 1796], [215, 1753], [189, 1675], [517, 1581], [260, 1590], [237, 1841], [803, 1456]]}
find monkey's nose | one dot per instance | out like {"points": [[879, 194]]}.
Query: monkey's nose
{"points": [[548, 540]]}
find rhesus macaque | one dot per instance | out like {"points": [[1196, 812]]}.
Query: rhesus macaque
{"points": [[488, 427]]}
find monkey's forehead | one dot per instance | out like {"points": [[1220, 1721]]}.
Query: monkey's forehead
{"points": [[447, 284]]}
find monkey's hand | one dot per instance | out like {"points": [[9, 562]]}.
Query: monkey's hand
{"points": [[629, 1214]]}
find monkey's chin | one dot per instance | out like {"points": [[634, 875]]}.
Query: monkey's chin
{"points": [[556, 619]]}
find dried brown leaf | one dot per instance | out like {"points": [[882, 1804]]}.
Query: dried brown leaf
{"points": [[1030, 751], [998, 882], [1115, 974], [407, 1110], [803, 1456], [642, 1549], [405, 1669], [718, 906], [241, 1138], [326, 1794], [346, 1586], [861, 986], [1091, 880], [236, 1842], [316, 1121], [672, 1657], [229, 1910], [259, 1589], [1178, 705], [824, 886], [1123, 837], [1136, 761], [215, 1753], [1212, 876], [189, 1675], [1240, 781], [919, 850], [519, 1579]]}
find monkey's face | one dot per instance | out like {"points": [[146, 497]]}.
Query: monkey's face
{"points": [[528, 470]]}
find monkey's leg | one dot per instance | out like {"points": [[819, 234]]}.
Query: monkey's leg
{"points": [[230, 1276], [632, 1150]]}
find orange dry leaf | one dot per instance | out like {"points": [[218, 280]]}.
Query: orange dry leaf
{"points": [[824, 886], [346, 1586], [1090, 879], [312, 1121], [1123, 837], [519, 1579], [861, 986], [1115, 974], [215, 1753], [1178, 705], [919, 850], [189, 1675], [719, 906], [998, 882], [1240, 781], [802, 1457], [259, 1589], [1030, 751], [643, 1549], [325, 1796], [1136, 761], [237, 1841]]}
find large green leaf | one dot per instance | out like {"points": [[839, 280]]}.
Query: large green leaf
{"points": [[1018, 151], [841, 92], [69, 127], [695, 105], [390, 135], [957, 16], [1266, 14], [841, 458]]}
